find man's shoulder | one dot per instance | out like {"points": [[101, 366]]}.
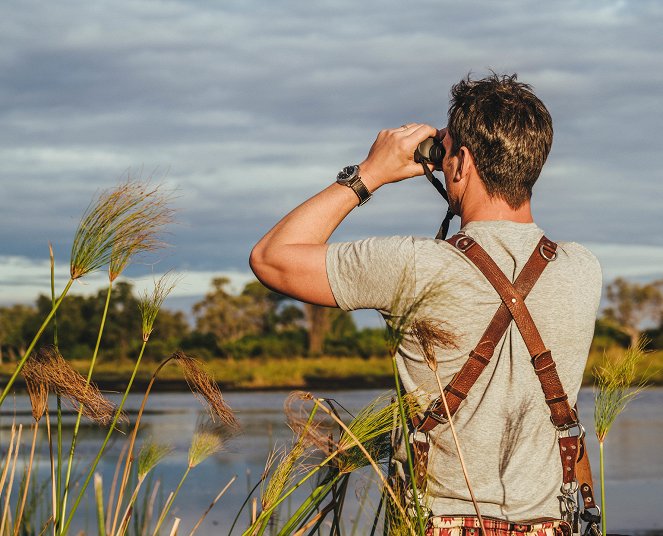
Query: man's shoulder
{"points": [[578, 254]]}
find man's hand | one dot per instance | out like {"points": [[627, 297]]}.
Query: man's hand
{"points": [[391, 158]]}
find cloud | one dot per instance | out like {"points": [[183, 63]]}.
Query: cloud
{"points": [[22, 280], [249, 108]]}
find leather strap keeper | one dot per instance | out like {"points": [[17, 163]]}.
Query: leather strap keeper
{"points": [[420, 453], [568, 450], [584, 477]]}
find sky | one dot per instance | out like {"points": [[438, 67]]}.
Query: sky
{"points": [[245, 109]]}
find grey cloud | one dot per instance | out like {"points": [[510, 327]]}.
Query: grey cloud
{"points": [[250, 107]]}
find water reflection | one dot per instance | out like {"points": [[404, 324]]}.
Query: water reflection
{"points": [[634, 465]]}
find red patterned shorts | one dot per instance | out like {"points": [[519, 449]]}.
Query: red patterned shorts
{"points": [[469, 526]]}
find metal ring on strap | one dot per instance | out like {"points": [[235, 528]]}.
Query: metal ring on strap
{"points": [[570, 489], [568, 427], [464, 243], [547, 253]]}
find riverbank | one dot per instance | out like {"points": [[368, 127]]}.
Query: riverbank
{"points": [[283, 373]]}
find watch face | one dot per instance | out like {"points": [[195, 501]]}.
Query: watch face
{"points": [[346, 174]]}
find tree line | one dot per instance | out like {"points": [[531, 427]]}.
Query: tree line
{"points": [[253, 323], [257, 322]]}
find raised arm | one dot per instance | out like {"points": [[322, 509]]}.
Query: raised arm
{"points": [[290, 258]]}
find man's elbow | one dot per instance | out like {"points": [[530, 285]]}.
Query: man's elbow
{"points": [[257, 261]]}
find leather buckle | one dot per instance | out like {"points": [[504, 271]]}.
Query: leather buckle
{"points": [[432, 411]]}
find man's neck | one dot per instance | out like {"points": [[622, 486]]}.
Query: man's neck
{"points": [[495, 209]]}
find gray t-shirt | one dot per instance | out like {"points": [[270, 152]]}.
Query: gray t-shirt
{"points": [[508, 441]]}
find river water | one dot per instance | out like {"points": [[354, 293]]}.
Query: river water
{"points": [[634, 457]]}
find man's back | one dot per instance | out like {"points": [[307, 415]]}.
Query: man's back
{"points": [[504, 426]]}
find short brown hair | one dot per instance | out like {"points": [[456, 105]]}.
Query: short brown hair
{"points": [[507, 129]]}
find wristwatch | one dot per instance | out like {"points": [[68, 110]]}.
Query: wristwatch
{"points": [[349, 176]]}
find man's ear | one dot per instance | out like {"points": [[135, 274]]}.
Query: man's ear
{"points": [[465, 162]]}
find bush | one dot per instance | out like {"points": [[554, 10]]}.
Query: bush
{"points": [[285, 344]]}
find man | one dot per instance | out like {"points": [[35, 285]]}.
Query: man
{"points": [[498, 137]]}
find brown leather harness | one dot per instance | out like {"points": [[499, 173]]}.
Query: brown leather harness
{"points": [[574, 457]]}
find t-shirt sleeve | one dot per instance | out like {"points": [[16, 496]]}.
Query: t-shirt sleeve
{"points": [[370, 273]]}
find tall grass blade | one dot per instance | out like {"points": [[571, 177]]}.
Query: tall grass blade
{"points": [[209, 508], [10, 482], [99, 502], [617, 382], [19, 515], [430, 334]]}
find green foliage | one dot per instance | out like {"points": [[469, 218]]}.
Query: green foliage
{"points": [[12, 338], [78, 324], [631, 305], [285, 344], [607, 335]]}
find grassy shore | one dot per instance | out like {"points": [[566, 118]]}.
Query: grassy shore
{"points": [[291, 373]]}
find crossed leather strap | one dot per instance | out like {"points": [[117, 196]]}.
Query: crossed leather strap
{"points": [[574, 456]]}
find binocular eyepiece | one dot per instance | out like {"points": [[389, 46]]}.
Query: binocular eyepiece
{"points": [[431, 151]]}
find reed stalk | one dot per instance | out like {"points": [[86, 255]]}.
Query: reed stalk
{"points": [[405, 426], [57, 482], [74, 437], [21, 509], [198, 457], [149, 306], [430, 334], [202, 385], [150, 455], [315, 520], [206, 442], [212, 504], [99, 501], [111, 493], [282, 475], [54, 498], [312, 472], [308, 506], [617, 382], [246, 501], [10, 482], [118, 412], [406, 307], [8, 457], [176, 525], [370, 459]]}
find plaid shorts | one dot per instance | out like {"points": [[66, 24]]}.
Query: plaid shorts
{"points": [[469, 526]]}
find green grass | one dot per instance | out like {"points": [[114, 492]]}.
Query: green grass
{"points": [[293, 373]]}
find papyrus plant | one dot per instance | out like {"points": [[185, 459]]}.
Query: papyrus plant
{"points": [[618, 380], [119, 223]]}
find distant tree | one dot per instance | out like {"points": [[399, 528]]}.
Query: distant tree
{"points": [[229, 317], [317, 323], [323, 322], [633, 305], [12, 320]]}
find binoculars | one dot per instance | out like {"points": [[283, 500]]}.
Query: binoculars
{"points": [[431, 151]]}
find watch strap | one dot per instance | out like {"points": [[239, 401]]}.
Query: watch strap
{"points": [[360, 189]]}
